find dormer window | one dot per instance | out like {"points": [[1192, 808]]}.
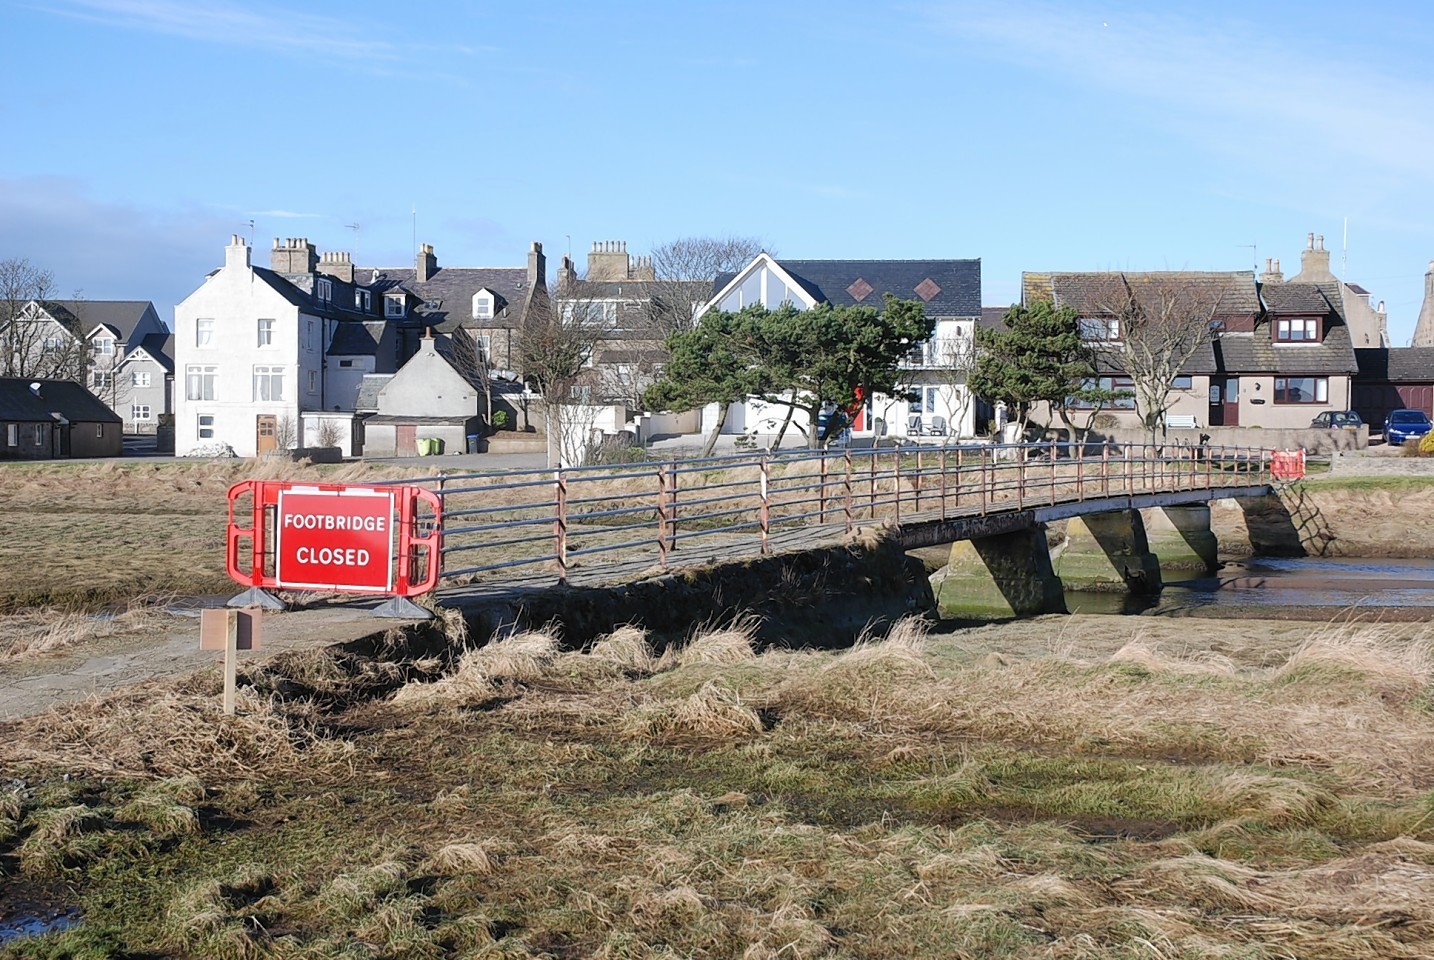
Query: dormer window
{"points": [[1099, 328], [393, 305], [363, 300], [325, 289], [483, 305], [1297, 329]]}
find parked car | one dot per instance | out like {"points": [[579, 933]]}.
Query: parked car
{"points": [[1402, 425], [1334, 419]]}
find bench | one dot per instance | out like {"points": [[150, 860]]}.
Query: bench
{"points": [[1181, 421]]}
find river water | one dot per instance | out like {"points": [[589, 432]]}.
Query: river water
{"points": [[1275, 586]]}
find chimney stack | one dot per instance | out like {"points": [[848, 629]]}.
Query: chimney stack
{"points": [[1314, 262], [1424, 328], [294, 255], [337, 264], [608, 261], [427, 264], [236, 255], [1272, 272], [537, 267]]}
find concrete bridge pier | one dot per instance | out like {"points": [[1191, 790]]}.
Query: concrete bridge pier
{"points": [[1181, 537], [1109, 552], [1003, 575]]}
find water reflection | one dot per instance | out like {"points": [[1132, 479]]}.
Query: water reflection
{"points": [[1282, 582]]}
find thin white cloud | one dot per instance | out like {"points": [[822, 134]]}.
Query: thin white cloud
{"points": [[1292, 97], [285, 214], [284, 31]]}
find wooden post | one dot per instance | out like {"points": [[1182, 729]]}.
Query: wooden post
{"points": [[764, 517], [560, 524], [846, 490], [662, 518], [231, 659], [822, 489]]}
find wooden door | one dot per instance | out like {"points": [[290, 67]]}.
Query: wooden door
{"points": [[405, 440], [1224, 401], [266, 431]]}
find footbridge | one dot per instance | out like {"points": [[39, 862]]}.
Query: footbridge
{"points": [[1131, 511]]}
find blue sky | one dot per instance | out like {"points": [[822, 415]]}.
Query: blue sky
{"points": [[1032, 135]]}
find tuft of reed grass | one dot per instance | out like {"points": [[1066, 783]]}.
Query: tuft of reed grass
{"points": [[713, 711], [460, 859], [719, 646], [626, 647], [1150, 658], [524, 656], [1398, 668]]}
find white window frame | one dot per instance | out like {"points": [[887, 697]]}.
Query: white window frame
{"points": [[104, 346], [483, 305], [139, 378], [99, 431], [204, 431], [363, 300], [325, 288], [39, 434], [313, 381], [266, 379], [201, 381], [265, 331], [102, 379], [12, 434], [308, 334], [204, 332], [393, 305], [139, 411]]}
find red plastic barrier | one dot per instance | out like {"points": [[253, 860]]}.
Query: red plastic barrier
{"points": [[333, 536], [1287, 464]]}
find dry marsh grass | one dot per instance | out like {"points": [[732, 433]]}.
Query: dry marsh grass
{"points": [[1136, 797]]}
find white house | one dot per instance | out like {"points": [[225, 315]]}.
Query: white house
{"points": [[274, 357], [935, 370]]}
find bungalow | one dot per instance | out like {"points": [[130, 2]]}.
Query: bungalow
{"points": [[48, 419]]}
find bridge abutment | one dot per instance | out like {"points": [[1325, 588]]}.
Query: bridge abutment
{"points": [[1109, 552], [1002, 575], [1181, 537]]}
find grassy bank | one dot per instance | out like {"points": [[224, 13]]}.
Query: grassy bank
{"points": [[1071, 787], [83, 534]]}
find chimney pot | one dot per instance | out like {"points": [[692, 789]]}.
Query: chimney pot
{"points": [[1309, 238], [1320, 241]]}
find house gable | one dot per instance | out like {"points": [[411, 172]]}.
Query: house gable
{"points": [[946, 288], [763, 281], [428, 385]]}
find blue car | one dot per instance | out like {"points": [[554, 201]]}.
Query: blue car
{"points": [[1402, 425]]}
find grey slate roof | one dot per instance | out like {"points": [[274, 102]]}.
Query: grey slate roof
{"points": [[357, 338], [827, 281], [992, 318], [1397, 364], [452, 289], [1257, 352], [120, 315], [160, 348], [367, 398], [1293, 299], [1085, 291], [56, 397]]}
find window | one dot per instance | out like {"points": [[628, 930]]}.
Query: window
{"points": [[346, 363], [99, 431], [39, 434], [580, 392], [925, 401], [268, 383], [139, 411], [12, 435], [602, 312], [308, 334], [393, 305], [204, 333], [1297, 330], [1122, 385], [266, 333], [206, 426], [1182, 383], [1099, 328], [101, 379], [482, 305], [485, 347], [199, 382], [104, 347], [1301, 390], [140, 378], [363, 300], [54, 344], [313, 381], [325, 289]]}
